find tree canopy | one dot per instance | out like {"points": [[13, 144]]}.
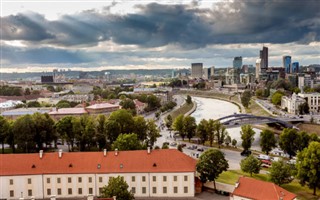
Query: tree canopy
{"points": [[267, 141], [247, 136], [118, 187], [250, 165], [280, 173]]}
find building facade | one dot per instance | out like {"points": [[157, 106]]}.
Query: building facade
{"points": [[295, 67], [196, 70], [264, 59], [286, 61], [313, 100], [157, 173], [292, 103]]}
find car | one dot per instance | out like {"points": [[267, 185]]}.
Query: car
{"points": [[245, 153], [173, 144], [263, 157], [200, 149], [183, 145]]}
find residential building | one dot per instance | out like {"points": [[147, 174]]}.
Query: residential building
{"points": [[196, 70], [291, 104], [249, 188], [264, 59], [156, 173], [313, 100], [286, 60]]}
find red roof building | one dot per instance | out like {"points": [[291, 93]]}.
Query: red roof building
{"points": [[249, 188]]}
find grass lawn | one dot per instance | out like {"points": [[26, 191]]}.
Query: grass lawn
{"points": [[182, 110], [255, 109], [310, 128], [303, 192]]}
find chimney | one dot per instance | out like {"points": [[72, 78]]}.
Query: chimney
{"points": [[60, 153], [40, 153], [104, 152], [116, 152], [149, 150]]}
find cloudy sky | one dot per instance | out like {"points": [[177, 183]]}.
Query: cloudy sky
{"points": [[41, 35]]}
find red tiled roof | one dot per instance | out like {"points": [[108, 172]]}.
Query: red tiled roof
{"points": [[256, 189], [138, 103], [164, 160], [102, 105], [66, 111]]}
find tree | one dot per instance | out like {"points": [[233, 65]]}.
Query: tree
{"points": [[189, 126], [290, 141], [24, 133], [267, 141], [247, 136], [44, 129], [153, 102], [165, 146], [276, 98], [210, 165], [234, 142], [210, 131], [4, 128], [152, 132], [304, 140], [308, 166], [220, 132], [179, 147], [178, 125], [188, 100], [202, 131], [84, 130], [250, 165], [118, 187], [101, 132], [140, 127], [129, 105], [303, 108], [65, 128], [126, 142], [124, 119], [280, 173], [245, 98], [169, 122], [27, 91], [227, 141], [33, 104]]}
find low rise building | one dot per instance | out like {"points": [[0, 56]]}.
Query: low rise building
{"points": [[291, 104], [15, 113], [157, 173], [313, 100], [102, 108]]}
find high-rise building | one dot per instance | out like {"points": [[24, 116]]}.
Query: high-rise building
{"points": [[206, 73], [295, 67], [286, 60], [196, 70], [264, 59], [237, 62]]}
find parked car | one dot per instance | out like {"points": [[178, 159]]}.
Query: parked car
{"points": [[263, 157], [173, 144], [183, 145], [245, 153], [200, 149], [266, 163]]}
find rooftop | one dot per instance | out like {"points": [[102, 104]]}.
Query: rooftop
{"points": [[256, 189], [139, 161], [65, 111], [25, 111], [102, 106]]}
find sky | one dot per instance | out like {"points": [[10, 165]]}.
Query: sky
{"points": [[42, 35]]}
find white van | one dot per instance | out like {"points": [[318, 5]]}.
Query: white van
{"points": [[263, 157]]}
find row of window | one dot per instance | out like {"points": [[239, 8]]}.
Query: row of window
{"points": [[133, 179], [90, 191]]}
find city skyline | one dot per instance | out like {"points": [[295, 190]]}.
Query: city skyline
{"points": [[81, 35]]}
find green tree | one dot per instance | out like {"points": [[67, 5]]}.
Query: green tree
{"points": [[27, 91], [210, 165], [153, 103], [118, 187], [303, 108], [24, 133], [220, 132], [189, 126], [250, 165], [189, 100], [165, 146], [124, 119], [4, 128], [169, 122], [152, 132], [210, 131], [65, 128], [126, 142], [113, 130], [227, 141], [308, 166], [179, 147], [276, 98], [101, 131], [178, 125], [259, 93], [202, 131], [140, 127], [84, 129], [290, 141], [267, 141], [245, 98], [234, 142], [44, 129], [280, 173], [304, 140], [33, 104], [247, 136], [129, 105]]}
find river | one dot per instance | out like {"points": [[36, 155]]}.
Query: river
{"points": [[213, 109]]}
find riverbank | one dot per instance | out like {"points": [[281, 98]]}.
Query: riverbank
{"points": [[183, 110]]}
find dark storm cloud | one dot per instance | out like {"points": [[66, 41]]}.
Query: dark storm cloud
{"points": [[242, 21]]}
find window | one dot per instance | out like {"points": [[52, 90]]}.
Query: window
{"points": [[164, 190], [48, 180], [133, 178], [133, 190], [144, 190], [11, 193], [29, 193], [29, 180], [154, 190], [69, 191], [143, 179], [59, 191], [175, 178], [58, 180], [185, 189], [185, 178], [79, 179], [175, 190], [48, 191], [79, 190], [164, 178], [90, 191], [11, 181], [154, 178], [69, 179], [100, 180], [90, 179]]}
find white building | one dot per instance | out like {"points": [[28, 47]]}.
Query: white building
{"points": [[305, 80], [313, 100], [292, 103], [258, 69], [196, 70], [157, 173]]}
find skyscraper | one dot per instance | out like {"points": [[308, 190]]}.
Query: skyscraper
{"points": [[286, 60], [196, 70], [295, 67], [264, 59], [237, 62]]}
